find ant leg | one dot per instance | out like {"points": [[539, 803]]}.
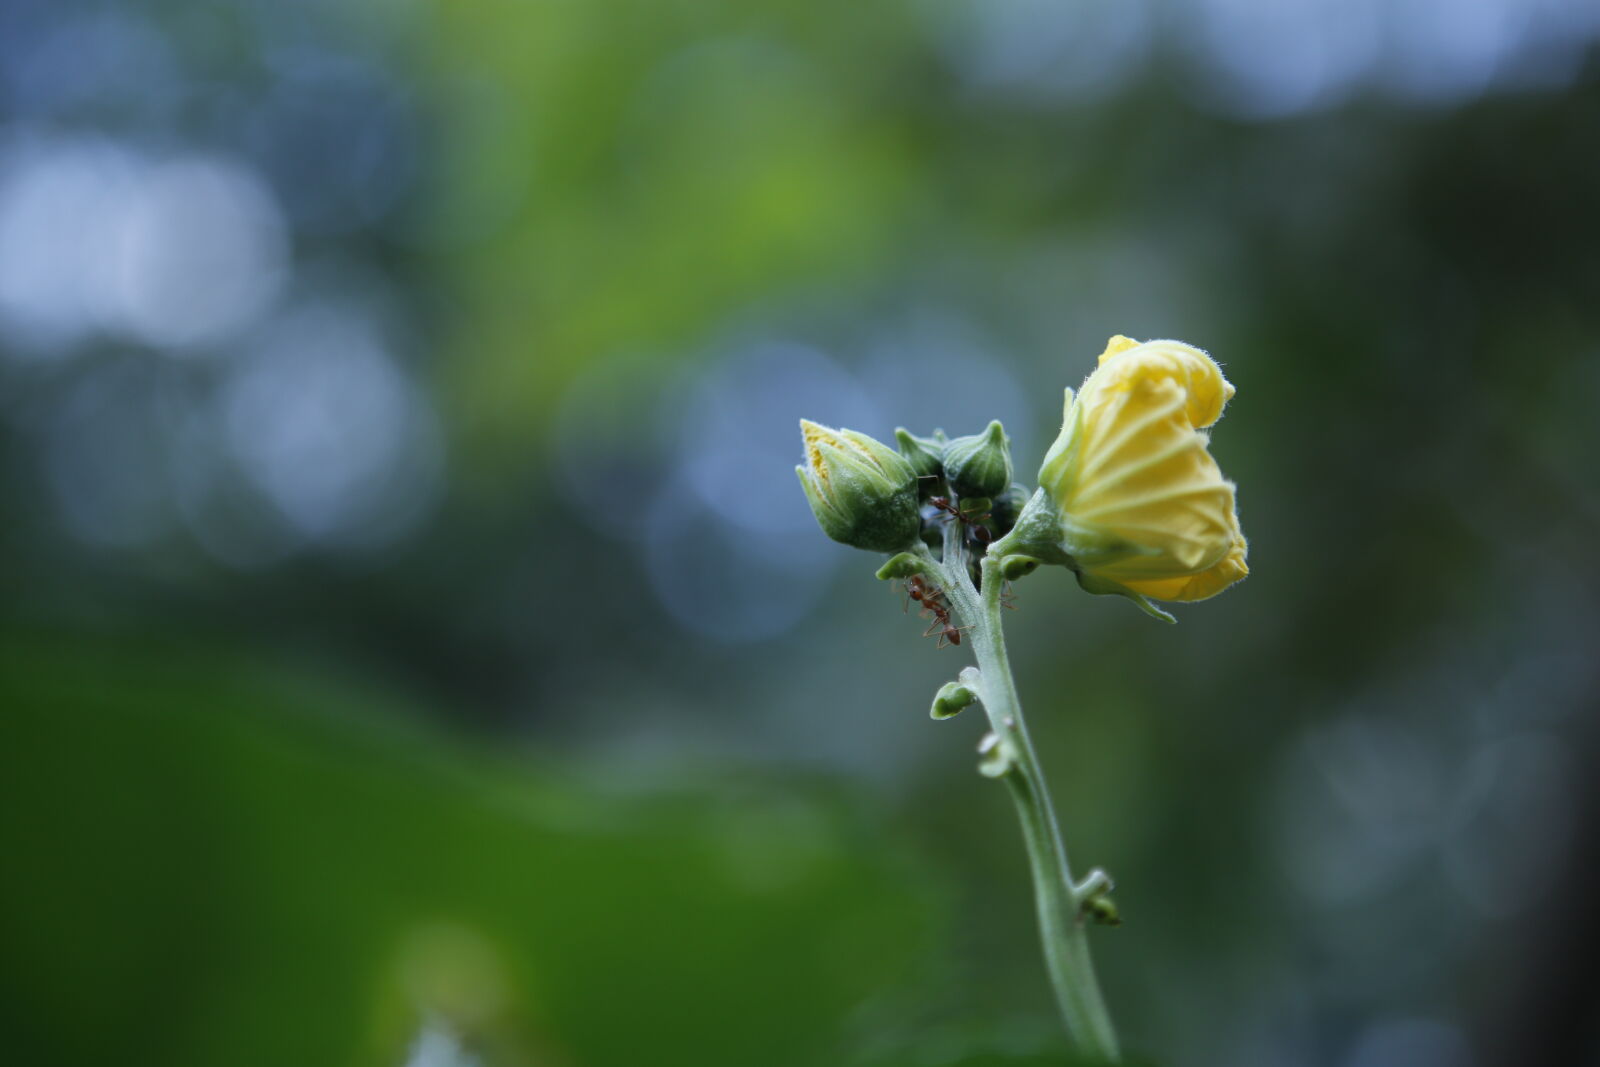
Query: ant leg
{"points": [[952, 635]]}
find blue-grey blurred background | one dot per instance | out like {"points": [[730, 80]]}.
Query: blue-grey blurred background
{"points": [[415, 649]]}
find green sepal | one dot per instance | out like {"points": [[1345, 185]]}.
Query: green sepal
{"points": [[1036, 533], [1102, 587]]}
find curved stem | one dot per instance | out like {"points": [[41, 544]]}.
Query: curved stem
{"points": [[1061, 929]]}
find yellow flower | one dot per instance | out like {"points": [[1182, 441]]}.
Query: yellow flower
{"points": [[1140, 506]]}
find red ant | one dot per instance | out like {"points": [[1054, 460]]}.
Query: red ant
{"points": [[944, 505], [972, 520], [925, 593], [948, 635], [934, 605]]}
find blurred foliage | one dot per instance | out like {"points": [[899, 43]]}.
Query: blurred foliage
{"points": [[224, 866], [606, 191]]}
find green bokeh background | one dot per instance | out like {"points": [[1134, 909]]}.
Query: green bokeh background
{"points": [[495, 773]]}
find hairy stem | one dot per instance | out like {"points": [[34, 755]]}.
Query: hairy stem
{"points": [[1061, 927]]}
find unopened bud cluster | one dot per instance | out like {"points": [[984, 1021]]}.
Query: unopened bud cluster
{"points": [[867, 495]]}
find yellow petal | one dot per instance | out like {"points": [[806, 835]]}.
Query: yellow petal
{"points": [[1122, 367], [1143, 477], [1117, 344], [1143, 505], [1208, 583]]}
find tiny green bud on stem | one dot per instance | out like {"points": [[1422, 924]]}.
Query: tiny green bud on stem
{"points": [[951, 700], [994, 758], [1103, 910], [904, 565], [1094, 898], [1014, 567], [1095, 883]]}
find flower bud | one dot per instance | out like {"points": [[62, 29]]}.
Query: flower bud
{"points": [[979, 465], [862, 492], [926, 456], [1129, 497]]}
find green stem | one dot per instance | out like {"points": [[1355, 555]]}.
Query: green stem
{"points": [[1061, 927]]}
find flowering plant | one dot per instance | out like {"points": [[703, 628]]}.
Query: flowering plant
{"points": [[1129, 499]]}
